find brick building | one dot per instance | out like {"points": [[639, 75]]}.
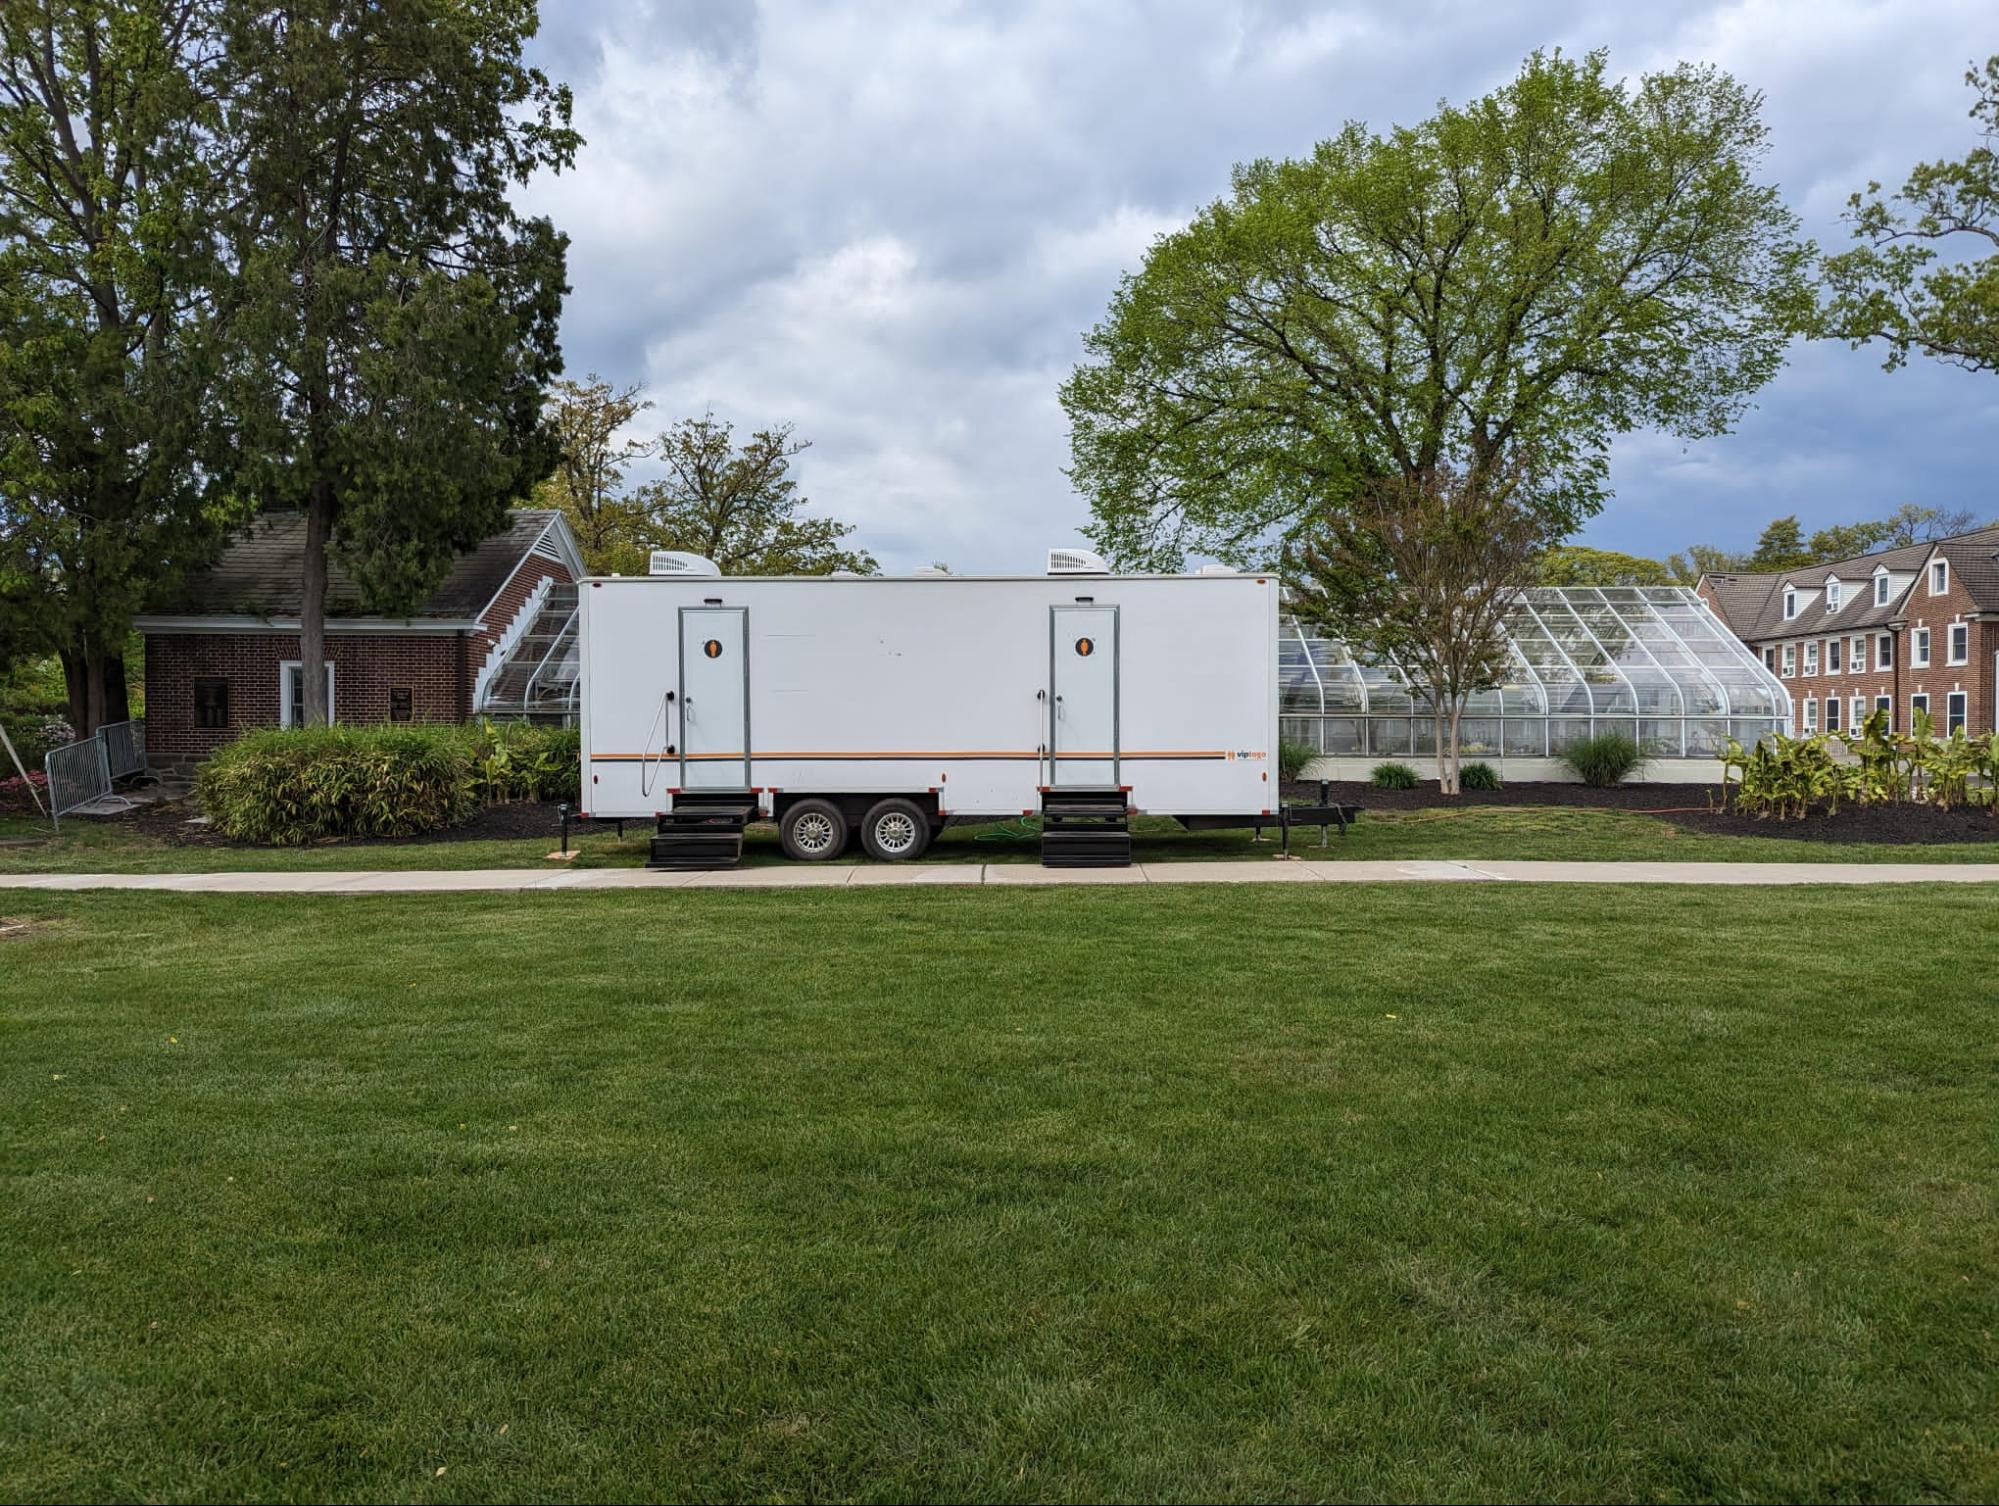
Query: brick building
{"points": [[1914, 627], [222, 657]]}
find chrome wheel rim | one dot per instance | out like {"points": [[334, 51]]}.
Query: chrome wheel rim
{"points": [[813, 832], [895, 833]]}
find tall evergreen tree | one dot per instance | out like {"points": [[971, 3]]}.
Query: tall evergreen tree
{"points": [[398, 323], [112, 177]]}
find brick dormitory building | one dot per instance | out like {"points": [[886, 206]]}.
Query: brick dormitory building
{"points": [[1914, 628], [222, 657]]}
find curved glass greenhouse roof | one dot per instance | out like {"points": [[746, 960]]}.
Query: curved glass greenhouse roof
{"points": [[1651, 662]]}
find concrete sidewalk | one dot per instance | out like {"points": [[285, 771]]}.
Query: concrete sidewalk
{"points": [[1010, 875]]}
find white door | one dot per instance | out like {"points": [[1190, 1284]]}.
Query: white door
{"points": [[714, 698], [1083, 692]]}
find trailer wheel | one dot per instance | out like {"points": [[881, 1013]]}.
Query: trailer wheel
{"points": [[895, 830], [813, 831]]}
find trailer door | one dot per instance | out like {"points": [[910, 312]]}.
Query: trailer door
{"points": [[714, 698], [1083, 696]]}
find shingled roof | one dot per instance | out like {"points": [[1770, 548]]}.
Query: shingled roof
{"points": [[259, 574], [1753, 605]]}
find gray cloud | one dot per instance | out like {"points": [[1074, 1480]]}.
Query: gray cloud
{"points": [[891, 223]]}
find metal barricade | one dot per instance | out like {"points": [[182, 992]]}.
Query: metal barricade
{"points": [[79, 775], [124, 747]]}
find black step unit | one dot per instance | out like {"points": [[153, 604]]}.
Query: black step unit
{"points": [[1085, 828], [704, 830]]}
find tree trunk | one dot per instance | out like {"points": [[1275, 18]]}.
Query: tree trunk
{"points": [[94, 683], [1457, 759], [312, 606], [1444, 785]]}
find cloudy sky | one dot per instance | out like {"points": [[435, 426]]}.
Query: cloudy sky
{"points": [[890, 223]]}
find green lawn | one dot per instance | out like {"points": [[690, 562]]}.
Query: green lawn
{"points": [[1206, 1193], [1475, 832]]}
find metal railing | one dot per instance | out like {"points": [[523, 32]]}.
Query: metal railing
{"points": [[124, 747], [81, 774]]}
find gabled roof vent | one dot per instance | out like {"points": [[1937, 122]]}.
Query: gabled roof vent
{"points": [[676, 562], [1076, 562]]}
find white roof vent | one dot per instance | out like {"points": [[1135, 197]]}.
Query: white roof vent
{"points": [[675, 562], [1216, 570], [1076, 562], [845, 574]]}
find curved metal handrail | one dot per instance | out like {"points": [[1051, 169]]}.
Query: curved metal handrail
{"points": [[645, 748]]}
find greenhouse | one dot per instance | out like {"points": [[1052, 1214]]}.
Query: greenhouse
{"points": [[1651, 662]]}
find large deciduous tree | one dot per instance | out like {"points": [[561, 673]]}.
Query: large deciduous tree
{"points": [[1422, 571], [585, 419], [398, 327], [1897, 286], [739, 505], [113, 177], [1579, 565], [1566, 259]]}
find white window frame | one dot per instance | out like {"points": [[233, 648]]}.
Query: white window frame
{"points": [[1951, 653], [1811, 714], [1835, 650], [1790, 602], [1884, 703], [1811, 658], [1790, 661], [1884, 650], [1919, 648], [1882, 586], [1920, 701], [287, 668], [1957, 704], [1856, 663], [1939, 577], [1832, 717], [1832, 595]]}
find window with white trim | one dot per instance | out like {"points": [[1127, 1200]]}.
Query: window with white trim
{"points": [[1917, 703], [1957, 643], [1856, 713], [1919, 649], [1956, 708], [291, 694], [1832, 713], [1881, 587], [1790, 660], [1884, 650], [1770, 660], [1832, 596], [1811, 714], [1790, 602], [1939, 577], [1856, 655], [1832, 656], [1812, 657], [1886, 703]]}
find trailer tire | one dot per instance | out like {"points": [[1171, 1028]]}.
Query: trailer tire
{"points": [[813, 831], [895, 830]]}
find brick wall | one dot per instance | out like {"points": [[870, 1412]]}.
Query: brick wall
{"points": [[366, 667], [1902, 679], [512, 597]]}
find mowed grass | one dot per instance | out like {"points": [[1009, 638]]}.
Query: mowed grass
{"points": [[1489, 833], [1198, 1193]]}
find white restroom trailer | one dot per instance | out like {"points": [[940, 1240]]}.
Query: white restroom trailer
{"points": [[889, 707]]}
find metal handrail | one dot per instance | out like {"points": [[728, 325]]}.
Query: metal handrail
{"points": [[561, 635], [645, 748]]}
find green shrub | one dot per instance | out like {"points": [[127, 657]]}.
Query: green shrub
{"points": [[285, 788], [1393, 776], [1292, 758], [1604, 760], [523, 761], [1478, 776]]}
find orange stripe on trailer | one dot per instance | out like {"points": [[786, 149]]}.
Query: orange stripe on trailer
{"points": [[858, 756]]}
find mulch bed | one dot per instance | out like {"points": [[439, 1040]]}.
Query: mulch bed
{"points": [[1688, 805], [168, 821]]}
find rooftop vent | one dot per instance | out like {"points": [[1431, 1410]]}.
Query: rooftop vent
{"points": [[1216, 570], [930, 572], [675, 562], [1076, 562]]}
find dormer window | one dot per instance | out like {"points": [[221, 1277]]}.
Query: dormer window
{"points": [[1832, 595], [1939, 577], [1881, 586], [1790, 602]]}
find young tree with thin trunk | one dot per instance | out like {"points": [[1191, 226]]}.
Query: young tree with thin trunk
{"points": [[584, 420], [112, 178], [397, 329], [1420, 571], [739, 506]]}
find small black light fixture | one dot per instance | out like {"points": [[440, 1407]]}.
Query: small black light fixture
{"points": [[1084, 601], [711, 601]]}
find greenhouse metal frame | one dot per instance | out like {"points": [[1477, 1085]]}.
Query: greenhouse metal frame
{"points": [[1651, 662]]}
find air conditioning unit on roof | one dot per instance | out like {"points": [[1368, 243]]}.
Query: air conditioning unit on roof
{"points": [[677, 562], [1076, 562]]}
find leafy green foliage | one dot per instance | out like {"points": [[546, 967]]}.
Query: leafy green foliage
{"points": [[1575, 565], [513, 761], [284, 788], [1790, 777], [1603, 761], [585, 420], [1478, 776], [1293, 757], [1897, 286], [1392, 776], [1564, 260]]}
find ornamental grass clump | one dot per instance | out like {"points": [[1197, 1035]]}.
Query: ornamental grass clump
{"points": [[286, 788], [1604, 761]]}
